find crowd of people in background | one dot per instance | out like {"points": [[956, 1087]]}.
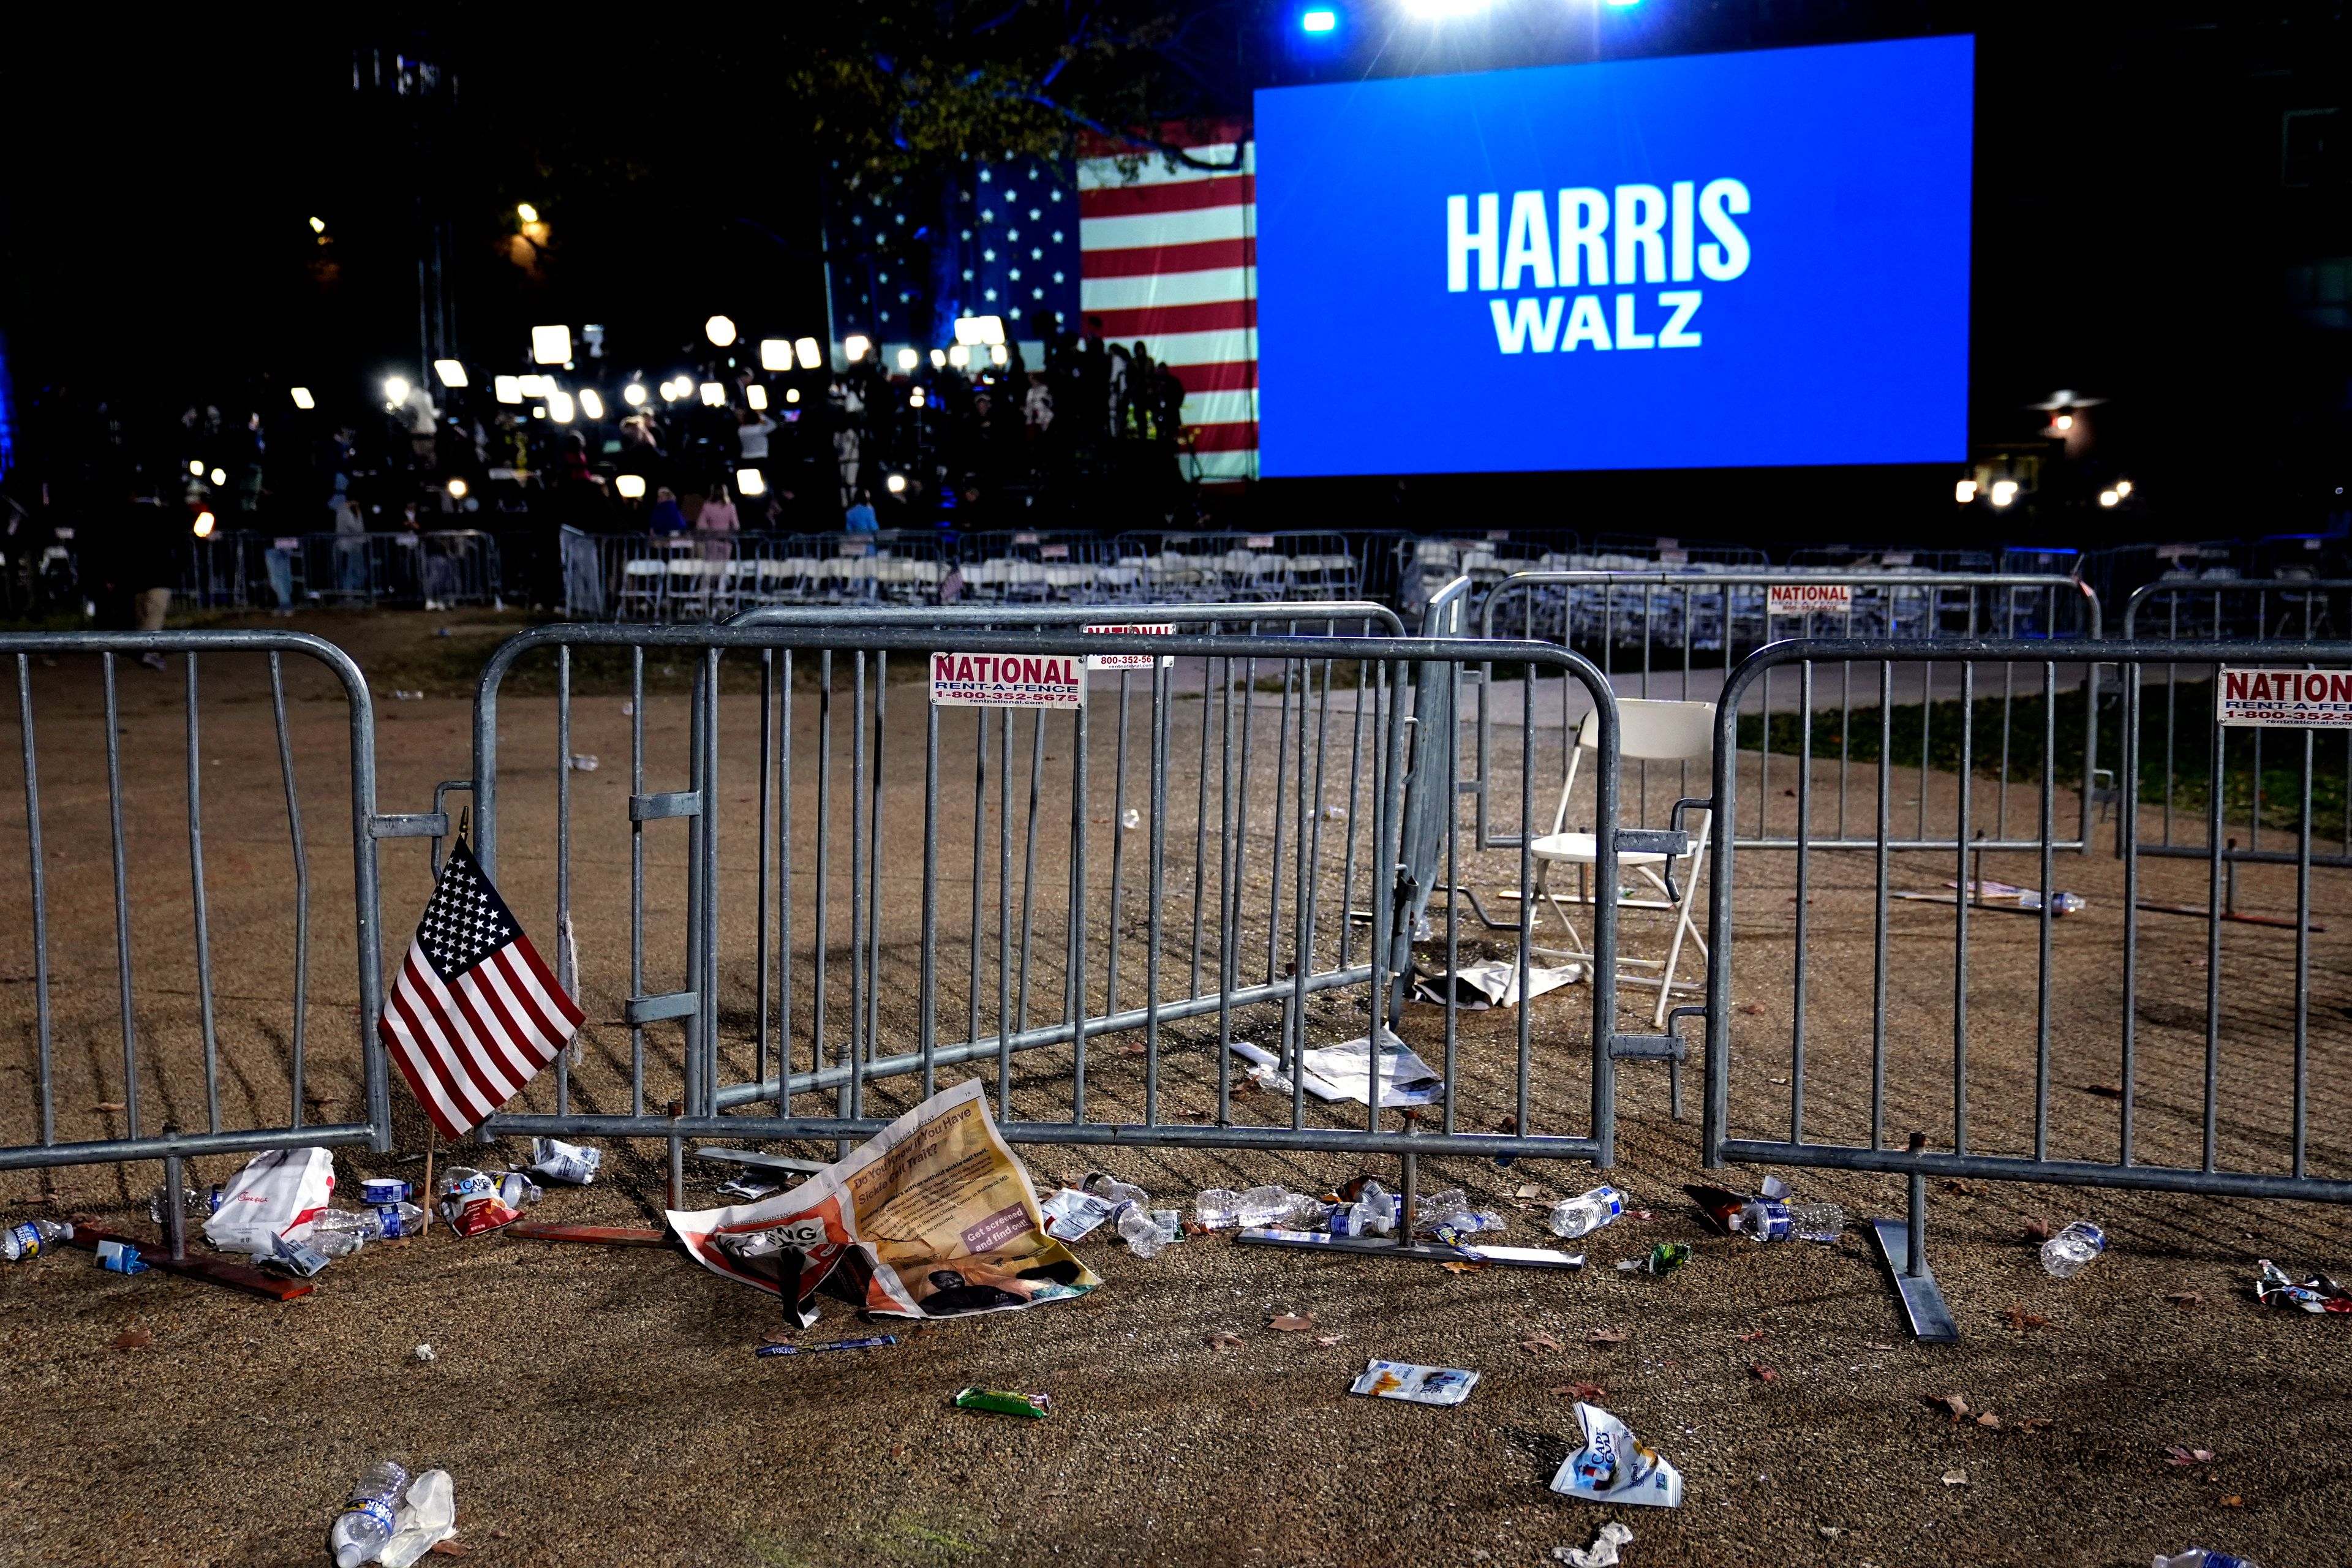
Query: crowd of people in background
{"points": [[1093, 438]]}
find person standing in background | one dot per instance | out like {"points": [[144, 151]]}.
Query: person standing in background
{"points": [[144, 561]]}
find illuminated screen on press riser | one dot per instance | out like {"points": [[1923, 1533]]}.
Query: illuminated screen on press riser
{"points": [[1710, 261]]}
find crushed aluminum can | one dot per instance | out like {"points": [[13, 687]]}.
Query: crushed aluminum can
{"points": [[2317, 1294]]}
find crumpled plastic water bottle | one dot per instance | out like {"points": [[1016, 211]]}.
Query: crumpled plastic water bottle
{"points": [[2073, 1249], [363, 1528]]}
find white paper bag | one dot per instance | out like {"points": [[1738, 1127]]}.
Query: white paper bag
{"points": [[280, 1193]]}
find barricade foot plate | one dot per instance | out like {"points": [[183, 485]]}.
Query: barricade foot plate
{"points": [[1923, 1301], [157, 1255], [1411, 1251], [607, 1235]]}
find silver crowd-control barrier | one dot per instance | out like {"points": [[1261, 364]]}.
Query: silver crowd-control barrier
{"points": [[1282, 923], [439, 569], [175, 1054], [2211, 1059], [1678, 635], [2226, 611]]}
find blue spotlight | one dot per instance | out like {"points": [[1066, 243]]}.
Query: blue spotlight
{"points": [[1320, 21]]}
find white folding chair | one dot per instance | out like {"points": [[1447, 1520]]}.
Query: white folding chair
{"points": [[1648, 731]]}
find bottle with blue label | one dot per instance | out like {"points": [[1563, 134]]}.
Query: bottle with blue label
{"points": [[1777, 1219], [2073, 1249], [32, 1238], [1587, 1213], [363, 1528]]}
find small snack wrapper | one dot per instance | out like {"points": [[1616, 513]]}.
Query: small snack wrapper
{"points": [[1614, 1466], [1035, 1406], [1420, 1384], [2316, 1294]]}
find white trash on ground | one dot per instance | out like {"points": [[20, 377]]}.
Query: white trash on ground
{"points": [[1614, 1466], [1601, 1553], [1340, 1072], [428, 1517], [1494, 983], [280, 1193]]}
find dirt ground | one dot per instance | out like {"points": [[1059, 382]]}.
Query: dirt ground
{"points": [[581, 1397]]}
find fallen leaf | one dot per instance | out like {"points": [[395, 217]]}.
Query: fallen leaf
{"points": [[1462, 1267], [2233, 1500], [2104, 1090], [1507, 1124], [2178, 1455], [1535, 1343], [899, 1452], [777, 1337], [1637, 1214], [107, 1105], [1752, 1009], [2020, 1319], [1291, 1323], [2038, 1229], [448, 1548], [1587, 1392], [2031, 1423], [1956, 1478], [1135, 1047], [1329, 1339], [1529, 1191], [2184, 1300], [1758, 1338], [1954, 1403], [1608, 1336], [1989, 1421], [132, 1339], [1761, 1372], [1960, 1187], [1225, 1342]]}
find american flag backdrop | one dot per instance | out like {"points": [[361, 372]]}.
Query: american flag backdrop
{"points": [[476, 1013], [1170, 258]]}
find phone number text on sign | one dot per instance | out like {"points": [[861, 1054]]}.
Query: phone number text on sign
{"points": [[1131, 660], [1007, 680], [1804, 598], [2284, 699]]}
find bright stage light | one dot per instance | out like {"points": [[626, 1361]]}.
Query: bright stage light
{"points": [[451, 372], [812, 355], [909, 359], [550, 346], [302, 399], [775, 353], [560, 406], [960, 356], [631, 487], [318, 226], [2123, 487], [2109, 498], [714, 394], [507, 389], [2004, 492], [720, 329], [196, 467], [756, 397], [792, 394], [525, 211], [396, 389], [204, 525], [1965, 491], [1441, 9], [1320, 21], [458, 489], [855, 347], [670, 393], [534, 386], [220, 478], [751, 482], [2063, 422], [895, 484], [634, 394], [591, 403]]}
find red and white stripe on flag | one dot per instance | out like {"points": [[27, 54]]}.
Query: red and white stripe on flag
{"points": [[1170, 257], [475, 1012]]}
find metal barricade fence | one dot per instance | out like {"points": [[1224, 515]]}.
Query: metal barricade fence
{"points": [[2212, 1060], [1279, 883], [440, 569], [178, 1047], [1031, 566], [2227, 613], [1678, 635]]}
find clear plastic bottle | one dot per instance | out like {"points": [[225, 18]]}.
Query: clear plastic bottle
{"points": [[1430, 1210], [1765, 1219], [1588, 1212], [195, 1204], [1217, 1207], [366, 1525], [2073, 1249], [1112, 1190], [1264, 1205], [1374, 1213], [563, 1162], [1130, 818], [337, 1232], [1141, 1231], [32, 1238], [518, 1190]]}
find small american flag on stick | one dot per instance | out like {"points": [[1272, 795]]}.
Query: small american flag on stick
{"points": [[475, 1012]]}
